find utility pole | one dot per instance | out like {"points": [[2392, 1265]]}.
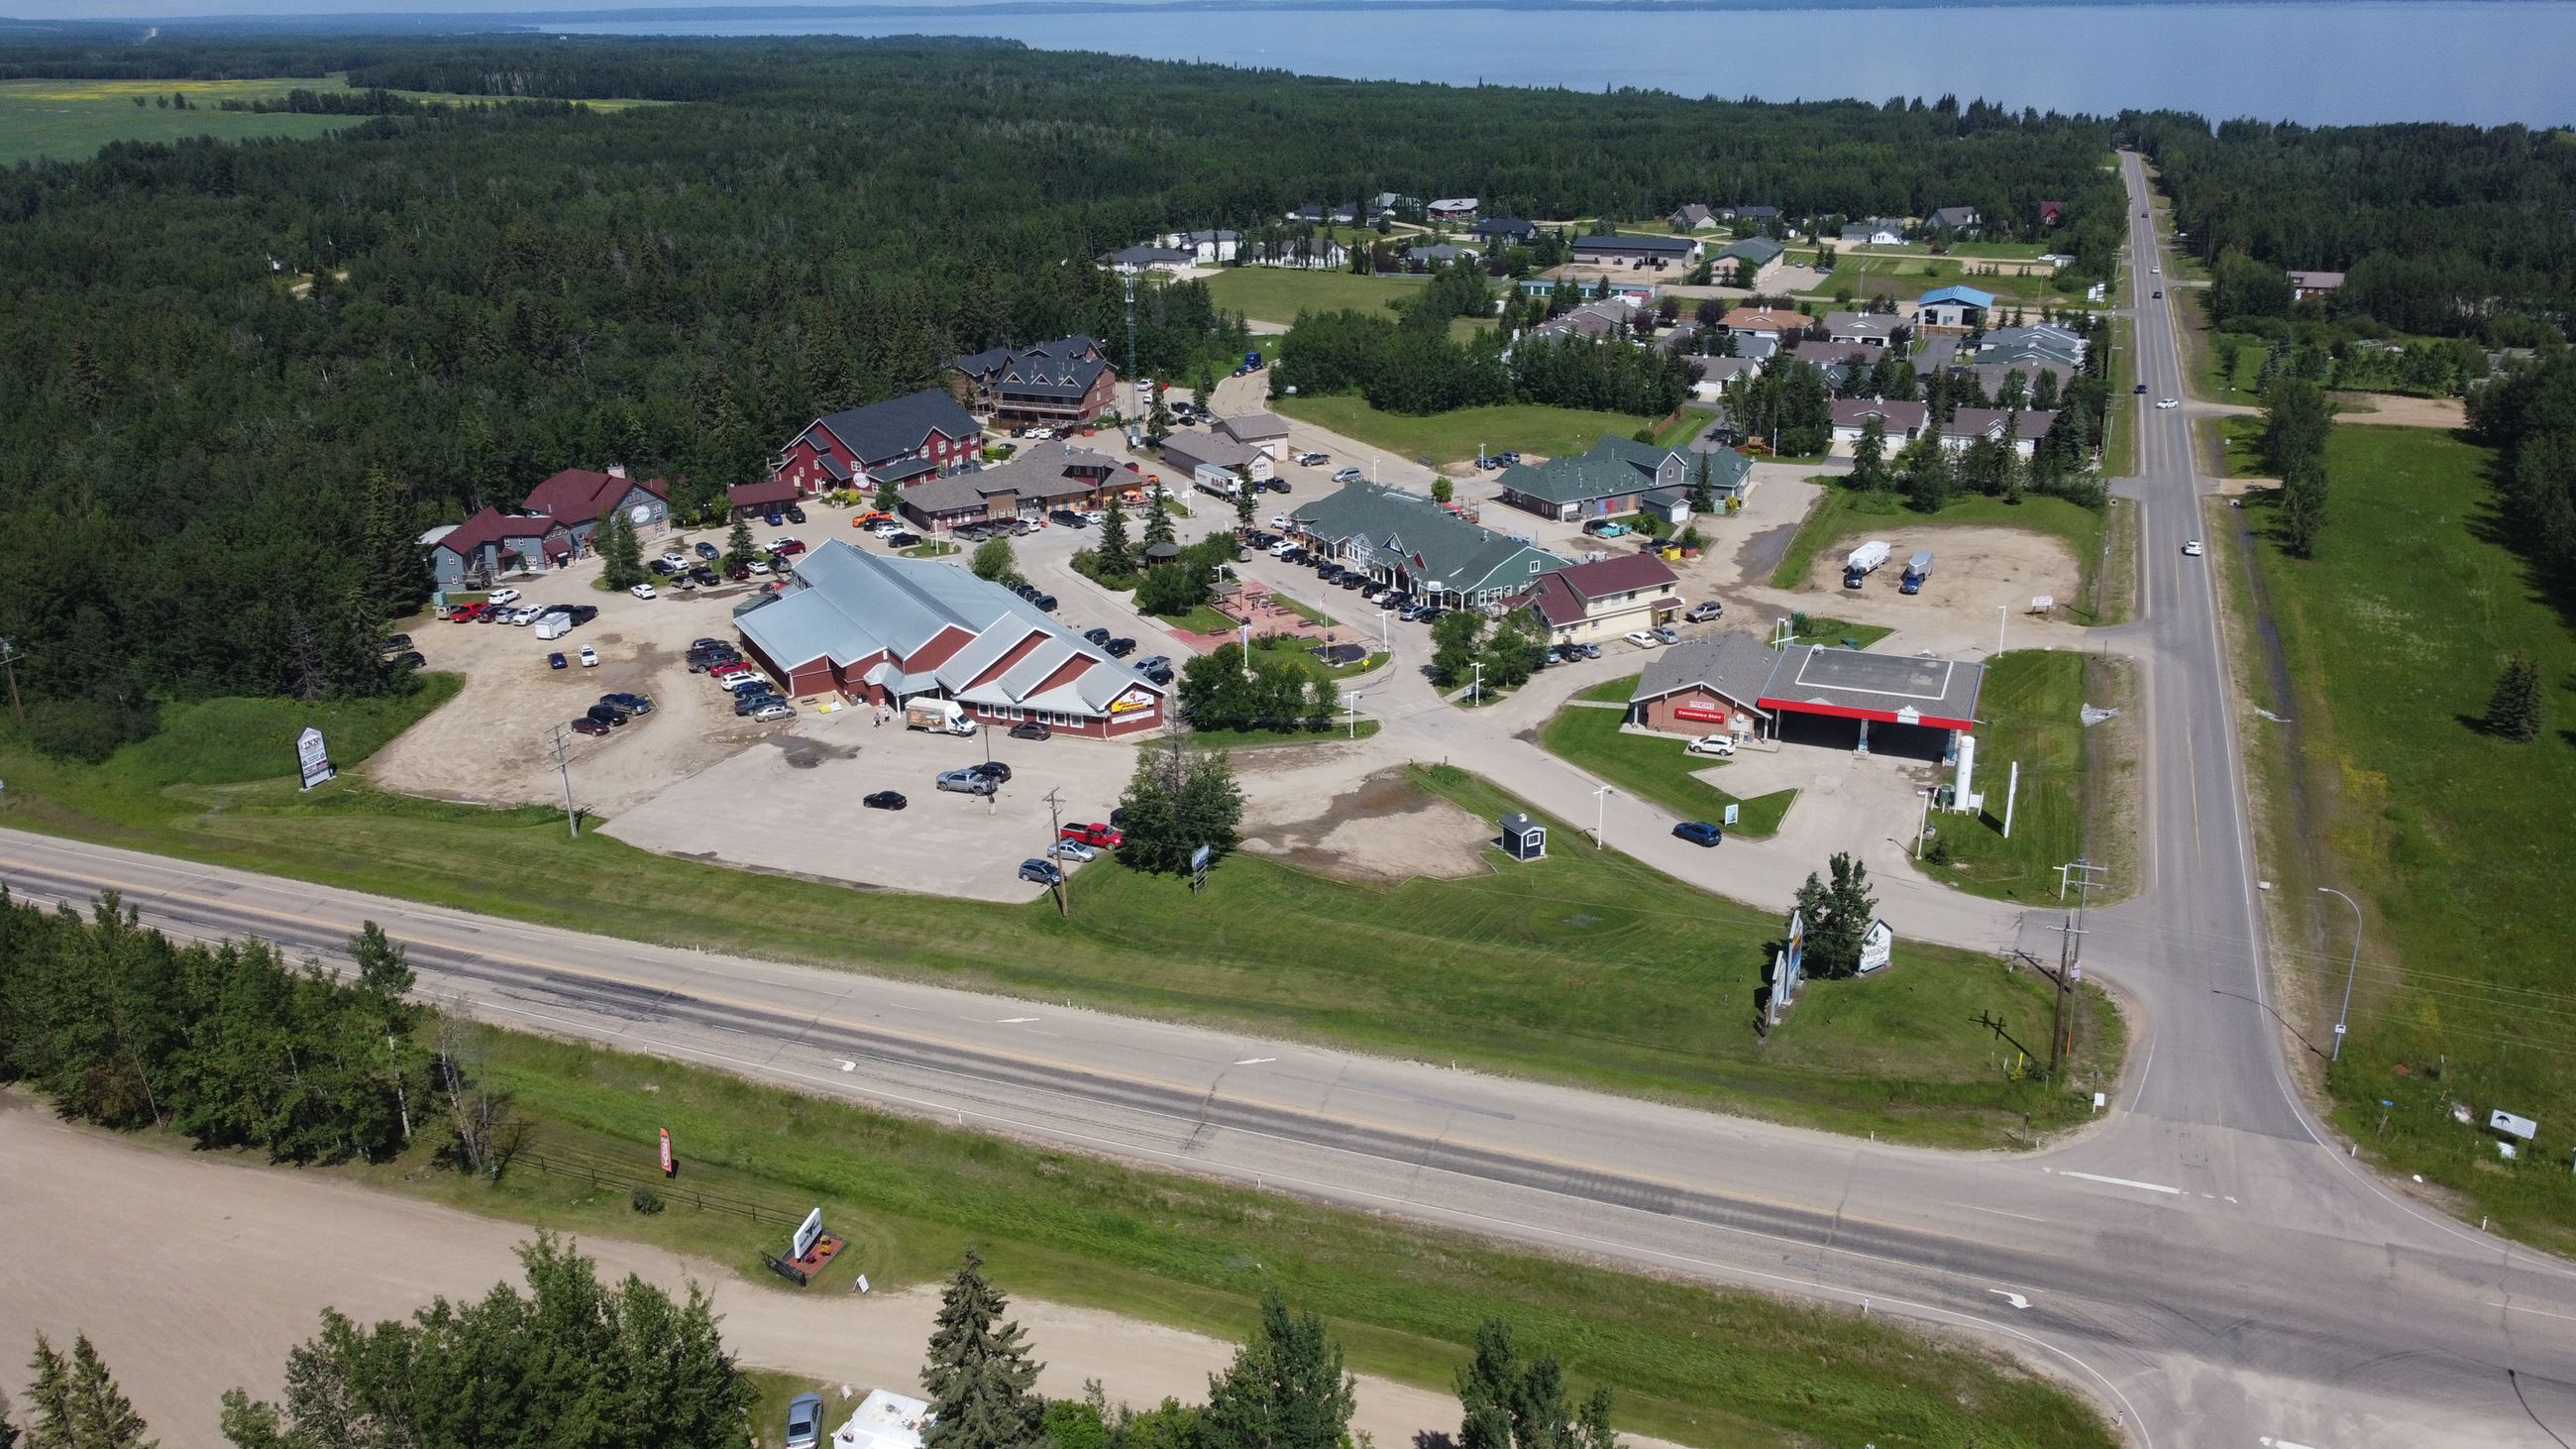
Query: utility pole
{"points": [[2070, 960], [563, 767], [9, 663], [1055, 832]]}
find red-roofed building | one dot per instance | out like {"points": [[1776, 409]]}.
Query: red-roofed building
{"points": [[766, 496], [2051, 212], [492, 544], [579, 498], [1590, 602]]}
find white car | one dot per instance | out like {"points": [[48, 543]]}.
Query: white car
{"points": [[1644, 640], [1283, 548], [676, 559], [498, 597], [1094, 517], [1279, 521], [526, 614], [1073, 850], [1720, 745], [589, 657], [747, 679], [642, 591], [2162, 403], [1041, 435], [2191, 549], [758, 566]]}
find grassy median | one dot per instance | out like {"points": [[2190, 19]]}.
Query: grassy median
{"points": [[1659, 768]]}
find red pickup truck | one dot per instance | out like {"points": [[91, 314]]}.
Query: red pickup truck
{"points": [[467, 613], [1099, 836]]}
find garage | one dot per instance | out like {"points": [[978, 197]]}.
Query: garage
{"points": [[1851, 699]]}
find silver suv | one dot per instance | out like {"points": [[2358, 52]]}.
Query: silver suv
{"points": [[968, 782]]}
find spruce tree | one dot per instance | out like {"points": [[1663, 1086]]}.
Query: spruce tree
{"points": [[738, 544], [50, 1422], [1245, 495], [979, 1374], [1158, 519], [2513, 712], [1869, 456], [1117, 556], [1285, 1389], [621, 552], [8, 1428], [102, 1417], [1703, 496]]}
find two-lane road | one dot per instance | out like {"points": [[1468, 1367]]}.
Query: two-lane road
{"points": [[2199, 1261]]}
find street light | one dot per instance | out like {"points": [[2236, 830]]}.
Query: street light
{"points": [[2003, 613], [1922, 822], [1476, 692], [2345, 1015], [1600, 813]]}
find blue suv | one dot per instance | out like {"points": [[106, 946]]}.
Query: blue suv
{"points": [[1699, 832]]}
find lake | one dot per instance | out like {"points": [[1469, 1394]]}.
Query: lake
{"points": [[2484, 63]]}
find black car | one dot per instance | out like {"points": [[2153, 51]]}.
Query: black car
{"points": [[698, 644], [1025, 589], [795, 514], [704, 577], [993, 770], [583, 613], [1330, 573], [903, 540], [883, 800], [1029, 729], [660, 568], [752, 701], [1119, 648], [398, 641], [709, 550], [631, 703], [1158, 673], [608, 714], [1044, 601], [1352, 581], [408, 659], [1067, 518], [1096, 636], [1278, 485]]}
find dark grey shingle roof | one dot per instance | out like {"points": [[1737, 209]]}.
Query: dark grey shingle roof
{"points": [[890, 429]]}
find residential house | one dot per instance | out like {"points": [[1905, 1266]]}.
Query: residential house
{"points": [[579, 499], [1064, 383], [2304, 285], [1207, 248], [1693, 217], [1304, 253], [1835, 358], [1900, 422], [1505, 231], [1191, 449], [1047, 477], [901, 440], [1615, 476], [1603, 599], [1146, 257], [1713, 684], [1967, 425], [1438, 254], [1875, 231], [2051, 212], [1452, 208], [1264, 433], [1716, 372], [1861, 329], [1408, 540], [1613, 316], [881, 630], [1389, 203], [1778, 324], [1762, 216], [1614, 250], [1993, 376], [1752, 261], [1952, 309], [1953, 219], [493, 544]]}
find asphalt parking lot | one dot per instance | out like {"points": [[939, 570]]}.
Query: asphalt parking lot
{"points": [[790, 804]]}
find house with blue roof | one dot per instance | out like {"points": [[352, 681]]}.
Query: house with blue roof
{"points": [[1952, 309]]}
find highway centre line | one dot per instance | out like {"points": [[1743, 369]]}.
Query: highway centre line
{"points": [[2119, 1181]]}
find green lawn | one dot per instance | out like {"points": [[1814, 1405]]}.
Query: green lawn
{"points": [[1905, 277], [1278, 294], [1656, 767], [1201, 619], [1661, 1007], [1301, 652], [2454, 842], [2029, 711], [1455, 436], [1688, 1363], [2120, 450], [2238, 385], [69, 120], [1842, 514], [1827, 630]]}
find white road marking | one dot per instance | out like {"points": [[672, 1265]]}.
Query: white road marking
{"points": [[1015, 1020], [2543, 1312], [2120, 1181], [849, 1066], [2015, 1299], [1255, 1061], [2269, 1442]]}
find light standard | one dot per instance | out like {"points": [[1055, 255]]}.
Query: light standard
{"points": [[2345, 1014], [1385, 634], [1351, 702], [2003, 613], [1600, 813], [1922, 822], [1476, 692]]}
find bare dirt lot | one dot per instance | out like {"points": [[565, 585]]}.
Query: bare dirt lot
{"points": [[242, 1260], [1343, 811], [1977, 569], [2389, 410]]}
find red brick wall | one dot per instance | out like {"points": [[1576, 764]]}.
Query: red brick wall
{"points": [[1663, 714]]}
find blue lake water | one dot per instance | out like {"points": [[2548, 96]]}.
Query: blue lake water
{"points": [[2319, 63]]}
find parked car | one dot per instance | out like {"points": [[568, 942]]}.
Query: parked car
{"points": [[1722, 746], [1095, 834], [737, 571], [675, 559], [581, 613], [1158, 673], [1119, 648], [730, 664], [642, 591], [466, 613], [1508, 456], [1039, 872], [631, 703], [787, 547], [588, 726], [773, 518], [1282, 549], [1353, 581], [397, 641], [661, 568], [1348, 475], [1642, 639], [753, 701], [498, 597], [994, 770], [1043, 600], [1073, 850], [1029, 729], [883, 800], [1699, 832], [804, 1422], [1066, 518], [1590, 651], [901, 539], [1701, 613], [556, 660], [871, 518], [589, 657], [1313, 460], [795, 514], [708, 550], [1096, 636], [409, 659], [967, 782], [775, 709], [758, 566], [1666, 634], [607, 714]]}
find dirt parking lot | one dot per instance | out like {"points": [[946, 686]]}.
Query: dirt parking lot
{"points": [[1340, 809], [790, 805]]}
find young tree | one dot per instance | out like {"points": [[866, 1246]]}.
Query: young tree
{"points": [[995, 561], [979, 1374], [621, 553], [1245, 496], [889, 497], [1442, 490], [2303, 507], [1512, 1402], [1869, 456], [1158, 519], [1158, 420], [2514, 710], [1457, 640], [738, 545], [102, 1417], [1177, 800], [1837, 916], [1285, 1389], [1115, 556], [1203, 383], [51, 1423]]}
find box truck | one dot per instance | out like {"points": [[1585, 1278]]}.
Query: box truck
{"points": [[1917, 569], [1864, 561], [940, 716]]}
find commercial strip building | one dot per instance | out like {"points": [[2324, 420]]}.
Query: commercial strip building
{"points": [[1621, 250], [1617, 476], [881, 630], [1755, 260], [1046, 477], [1733, 683], [1417, 545], [556, 525], [902, 441]]}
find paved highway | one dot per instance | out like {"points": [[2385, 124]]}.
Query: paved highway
{"points": [[2199, 1262]]}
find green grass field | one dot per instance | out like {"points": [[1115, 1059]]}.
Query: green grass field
{"points": [[1278, 294], [2029, 712], [2454, 842], [1689, 1363], [1455, 436], [1828, 630], [69, 120], [1662, 1006], [2120, 450], [1657, 768], [1910, 276], [1841, 514]]}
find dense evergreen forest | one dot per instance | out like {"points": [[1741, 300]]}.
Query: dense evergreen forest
{"points": [[240, 378]]}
